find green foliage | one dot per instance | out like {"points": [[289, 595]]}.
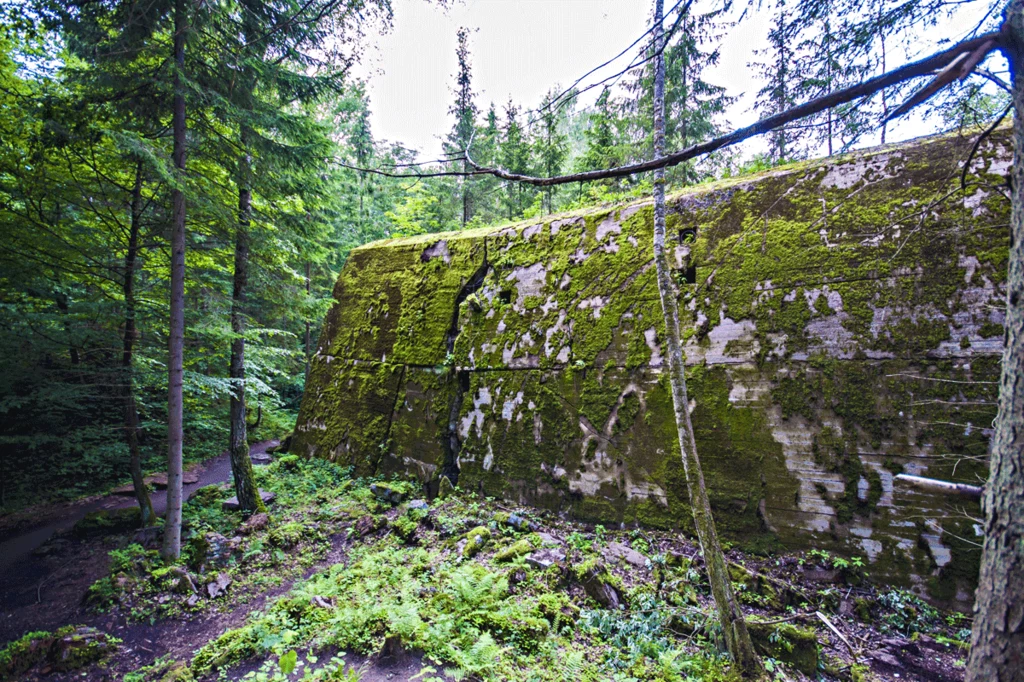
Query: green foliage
{"points": [[907, 613]]}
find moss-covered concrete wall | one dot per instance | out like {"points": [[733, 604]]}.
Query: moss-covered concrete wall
{"points": [[845, 325]]}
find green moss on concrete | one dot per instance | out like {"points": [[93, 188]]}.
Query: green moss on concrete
{"points": [[830, 297]]}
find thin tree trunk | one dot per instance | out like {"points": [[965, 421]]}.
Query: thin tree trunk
{"points": [[309, 279], [172, 528], [241, 466], [734, 628], [997, 639], [131, 414], [885, 100]]}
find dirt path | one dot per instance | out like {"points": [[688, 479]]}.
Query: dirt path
{"points": [[41, 590]]}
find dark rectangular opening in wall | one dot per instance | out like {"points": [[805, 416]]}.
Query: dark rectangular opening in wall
{"points": [[688, 235]]}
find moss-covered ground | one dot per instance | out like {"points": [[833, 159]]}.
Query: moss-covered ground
{"points": [[344, 574]]}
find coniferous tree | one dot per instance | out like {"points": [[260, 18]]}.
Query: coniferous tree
{"points": [[465, 111], [514, 155], [601, 136], [777, 94], [550, 146], [693, 105]]}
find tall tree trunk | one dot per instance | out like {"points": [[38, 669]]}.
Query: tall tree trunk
{"points": [[131, 414], [465, 195], [172, 527], [309, 280], [997, 639], [734, 628], [885, 100], [241, 466]]}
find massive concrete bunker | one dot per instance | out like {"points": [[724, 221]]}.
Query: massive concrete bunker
{"points": [[844, 325]]}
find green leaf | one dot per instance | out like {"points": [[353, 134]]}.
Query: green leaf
{"points": [[287, 662]]}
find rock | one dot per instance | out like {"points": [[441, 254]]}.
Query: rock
{"points": [[887, 661], [386, 492], [231, 504], [181, 581], [289, 462], [127, 490], [821, 575], [520, 522], [77, 648], [148, 537], [545, 558], [51, 546], [210, 549], [598, 584], [218, 586], [787, 643], [192, 600], [445, 487], [366, 525], [254, 523], [616, 551], [517, 549], [159, 481], [417, 504], [549, 539], [107, 522], [476, 539], [261, 458]]}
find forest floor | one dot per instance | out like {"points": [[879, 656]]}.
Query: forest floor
{"points": [[355, 580]]}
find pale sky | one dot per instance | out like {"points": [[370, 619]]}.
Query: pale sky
{"points": [[522, 48]]}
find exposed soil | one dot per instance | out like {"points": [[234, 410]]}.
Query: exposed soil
{"points": [[46, 572]]}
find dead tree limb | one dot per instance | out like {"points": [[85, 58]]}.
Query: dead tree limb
{"points": [[923, 67], [935, 485]]}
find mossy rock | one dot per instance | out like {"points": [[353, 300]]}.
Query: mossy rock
{"points": [[754, 588], [70, 648], [287, 535], [520, 547], [208, 496], [391, 493], [107, 522], [862, 607], [557, 609], [288, 462], [599, 584], [445, 488], [405, 527], [476, 540], [788, 643]]}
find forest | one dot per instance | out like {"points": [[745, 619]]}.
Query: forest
{"points": [[185, 186]]}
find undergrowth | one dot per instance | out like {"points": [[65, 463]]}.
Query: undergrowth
{"points": [[454, 583]]}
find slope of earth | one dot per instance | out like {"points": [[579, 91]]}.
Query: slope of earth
{"points": [[356, 579]]}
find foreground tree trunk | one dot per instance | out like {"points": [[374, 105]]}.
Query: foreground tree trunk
{"points": [[734, 627], [131, 414], [171, 549], [241, 466], [997, 639]]}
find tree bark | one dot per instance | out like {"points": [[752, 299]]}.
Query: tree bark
{"points": [[171, 549], [997, 639], [309, 350], [734, 627], [131, 414], [241, 466]]}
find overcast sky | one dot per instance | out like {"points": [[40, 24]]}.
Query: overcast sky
{"points": [[521, 48]]}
